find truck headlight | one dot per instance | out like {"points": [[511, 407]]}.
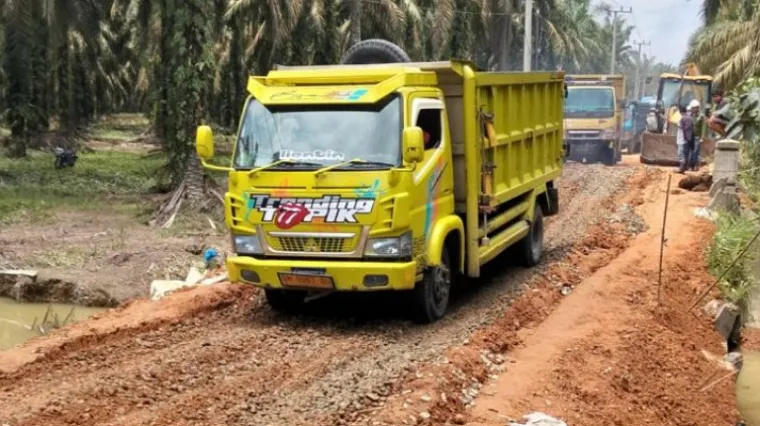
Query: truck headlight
{"points": [[247, 244], [390, 247], [609, 134]]}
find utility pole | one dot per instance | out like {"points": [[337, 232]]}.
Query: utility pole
{"points": [[614, 35], [528, 46], [637, 86]]}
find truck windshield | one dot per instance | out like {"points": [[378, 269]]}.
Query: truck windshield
{"points": [[585, 102], [691, 90], [317, 136]]}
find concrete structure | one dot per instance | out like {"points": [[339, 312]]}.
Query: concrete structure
{"points": [[727, 158], [725, 172]]}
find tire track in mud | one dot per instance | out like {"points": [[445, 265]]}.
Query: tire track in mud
{"points": [[240, 363]]}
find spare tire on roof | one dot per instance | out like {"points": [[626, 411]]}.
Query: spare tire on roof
{"points": [[374, 51]]}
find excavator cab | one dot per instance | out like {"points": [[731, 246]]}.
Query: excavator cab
{"points": [[675, 92]]}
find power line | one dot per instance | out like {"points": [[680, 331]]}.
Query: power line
{"points": [[636, 26]]}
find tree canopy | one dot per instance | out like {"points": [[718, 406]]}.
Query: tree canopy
{"points": [[182, 62]]}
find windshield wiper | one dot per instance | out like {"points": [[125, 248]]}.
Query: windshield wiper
{"points": [[354, 163], [281, 163], [301, 164]]}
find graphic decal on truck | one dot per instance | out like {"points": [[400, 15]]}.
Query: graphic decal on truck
{"points": [[288, 212], [434, 187]]}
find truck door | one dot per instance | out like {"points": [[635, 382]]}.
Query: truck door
{"points": [[433, 177]]}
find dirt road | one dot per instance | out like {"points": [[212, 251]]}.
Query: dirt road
{"points": [[219, 355]]}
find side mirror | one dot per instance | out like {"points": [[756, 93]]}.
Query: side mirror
{"points": [[413, 145], [204, 143]]}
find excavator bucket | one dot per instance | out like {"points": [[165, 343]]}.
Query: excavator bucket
{"points": [[662, 149]]}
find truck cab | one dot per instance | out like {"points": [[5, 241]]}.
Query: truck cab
{"points": [[594, 117], [393, 177]]}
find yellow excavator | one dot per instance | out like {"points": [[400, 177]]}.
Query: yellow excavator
{"points": [[658, 145]]}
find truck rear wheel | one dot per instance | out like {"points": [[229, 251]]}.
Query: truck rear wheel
{"points": [[431, 295], [531, 248], [285, 300]]}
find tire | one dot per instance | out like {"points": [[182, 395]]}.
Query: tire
{"points": [[552, 195], [531, 247], [374, 51], [285, 300], [609, 157], [431, 295]]}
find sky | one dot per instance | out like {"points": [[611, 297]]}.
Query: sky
{"points": [[657, 23]]}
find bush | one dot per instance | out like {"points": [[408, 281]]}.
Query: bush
{"points": [[732, 236]]}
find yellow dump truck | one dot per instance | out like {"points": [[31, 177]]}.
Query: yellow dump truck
{"points": [[360, 178], [659, 142], [594, 115]]}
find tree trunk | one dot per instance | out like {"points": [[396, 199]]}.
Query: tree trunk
{"points": [[16, 60], [501, 30], [328, 47], [64, 86], [194, 180], [355, 31], [461, 31], [18, 147]]}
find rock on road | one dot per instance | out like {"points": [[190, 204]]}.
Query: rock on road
{"points": [[221, 356]]}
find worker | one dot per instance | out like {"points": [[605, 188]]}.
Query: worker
{"points": [[717, 120], [685, 140], [718, 100], [698, 119]]}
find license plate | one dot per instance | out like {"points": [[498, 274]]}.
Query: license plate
{"points": [[322, 282]]}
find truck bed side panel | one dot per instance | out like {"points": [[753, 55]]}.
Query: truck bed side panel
{"points": [[525, 149], [527, 118]]}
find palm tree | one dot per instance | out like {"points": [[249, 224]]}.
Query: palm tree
{"points": [[573, 35], [18, 19], [728, 47]]}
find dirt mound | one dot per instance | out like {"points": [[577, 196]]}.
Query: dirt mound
{"points": [[696, 183], [445, 391], [650, 371], [622, 359]]}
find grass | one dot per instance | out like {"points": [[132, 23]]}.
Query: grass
{"points": [[119, 128], [32, 186], [732, 236], [116, 179]]}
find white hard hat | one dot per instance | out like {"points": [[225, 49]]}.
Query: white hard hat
{"points": [[694, 104]]}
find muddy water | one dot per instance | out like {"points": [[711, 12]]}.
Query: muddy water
{"points": [[16, 319]]}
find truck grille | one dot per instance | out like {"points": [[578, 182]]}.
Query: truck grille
{"points": [[583, 134], [298, 244]]}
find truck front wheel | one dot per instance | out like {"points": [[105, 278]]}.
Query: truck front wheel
{"points": [[532, 246], [431, 295], [609, 156], [285, 300]]}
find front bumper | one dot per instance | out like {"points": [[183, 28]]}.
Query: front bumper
{"points": [[590, 149], [345, 275]]}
